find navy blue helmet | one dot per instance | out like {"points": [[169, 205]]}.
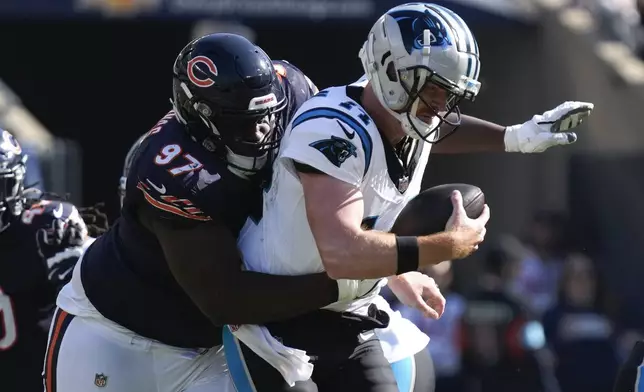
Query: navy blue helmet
{"points": [[231, 99]]}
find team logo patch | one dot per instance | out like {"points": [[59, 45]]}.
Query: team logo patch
{"points": [[200, 71], [100, 380], [336, 150], [413, 25]]}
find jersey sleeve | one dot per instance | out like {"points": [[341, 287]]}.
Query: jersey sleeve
{"points": [[45, 214], [330, 141]]}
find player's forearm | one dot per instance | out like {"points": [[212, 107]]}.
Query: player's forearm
{"points": [[474, 135], [256, 298], [224, 293], [373, 254]]}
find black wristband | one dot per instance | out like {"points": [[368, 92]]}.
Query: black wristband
{"points": [[407, 247]]}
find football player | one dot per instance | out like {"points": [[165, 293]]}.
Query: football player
{"points": [[350, 160], [145, 305], [40, 241], [418, 282]]}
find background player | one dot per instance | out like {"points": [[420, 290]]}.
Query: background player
{"points": [[629, 378], [40, 242], [168, 271], [356, 152]]}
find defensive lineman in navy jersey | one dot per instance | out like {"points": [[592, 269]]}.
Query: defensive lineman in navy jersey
{"points": [[151, 294], [40, 241]]}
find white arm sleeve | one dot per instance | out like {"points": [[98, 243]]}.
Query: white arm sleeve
{"points": [[339, 148]]}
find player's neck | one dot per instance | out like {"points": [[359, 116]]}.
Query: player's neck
{"points": [[387, 125]]}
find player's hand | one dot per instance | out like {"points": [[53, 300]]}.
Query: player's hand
{"points": [[548, 129], [467, 233], [419, 291], [59, 236], [60, 246]]}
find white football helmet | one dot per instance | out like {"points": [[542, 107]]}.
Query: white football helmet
{"points": [[414, 45]]}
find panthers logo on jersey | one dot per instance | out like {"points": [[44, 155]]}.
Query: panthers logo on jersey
{"points": [[336, 149]]}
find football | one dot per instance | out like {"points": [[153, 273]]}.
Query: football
{"points": [[429, 211]]}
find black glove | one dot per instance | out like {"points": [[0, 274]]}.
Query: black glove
{"points": [[59, 236], [60, 246], [95, 219]]}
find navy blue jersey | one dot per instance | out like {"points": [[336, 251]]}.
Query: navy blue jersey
{"points": [[28, 288], [125, 274]]}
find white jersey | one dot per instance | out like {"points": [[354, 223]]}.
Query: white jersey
{"points": [[333, 134]]}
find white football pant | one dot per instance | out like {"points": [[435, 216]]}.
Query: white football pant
{"points": [[89, 354]]}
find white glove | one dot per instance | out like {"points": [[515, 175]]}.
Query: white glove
{"points": [[548, 129]]}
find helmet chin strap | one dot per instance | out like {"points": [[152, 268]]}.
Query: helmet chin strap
{"points": [[414, 126], [408, 126], [238, 163]]}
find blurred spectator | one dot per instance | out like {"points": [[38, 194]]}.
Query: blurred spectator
{"points": [[537, 276], [499, 337], [579, 331], [33, 177], [445, 345]]}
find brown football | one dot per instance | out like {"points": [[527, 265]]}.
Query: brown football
{"points": [[429, 211]]}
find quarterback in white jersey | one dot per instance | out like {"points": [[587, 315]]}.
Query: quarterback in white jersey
{"points": [[334, 135], [350, 160]]}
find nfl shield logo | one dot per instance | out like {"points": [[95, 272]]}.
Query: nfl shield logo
{"points": [[403, 184], [100, 380]]}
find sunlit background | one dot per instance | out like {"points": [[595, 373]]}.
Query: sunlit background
{"points": [[563, 264]]}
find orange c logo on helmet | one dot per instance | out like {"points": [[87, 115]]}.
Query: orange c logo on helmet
{"points": [[193, 66]]}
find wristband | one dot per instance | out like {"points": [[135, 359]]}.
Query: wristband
{"points": [[407, 247]]}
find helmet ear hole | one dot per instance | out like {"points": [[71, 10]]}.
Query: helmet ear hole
{"points": [[391, 72], [203, 109]]}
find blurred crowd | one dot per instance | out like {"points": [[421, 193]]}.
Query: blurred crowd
{"points": [[536, 317], [619, 20]]}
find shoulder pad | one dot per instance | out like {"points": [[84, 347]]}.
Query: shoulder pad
{"points": [[299, 88], [179, 177], [339, 147]]}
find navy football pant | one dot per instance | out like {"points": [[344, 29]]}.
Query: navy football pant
{"points": [[364, 370]]}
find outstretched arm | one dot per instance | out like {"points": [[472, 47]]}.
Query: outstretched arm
{"points": [[474, 135], [535, 135]]}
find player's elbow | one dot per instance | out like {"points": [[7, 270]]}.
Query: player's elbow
{"points": [[334, 269], [221, 313], [336, 257]]}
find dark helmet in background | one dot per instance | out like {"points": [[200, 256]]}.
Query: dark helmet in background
{"points": [[12, 176]]}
